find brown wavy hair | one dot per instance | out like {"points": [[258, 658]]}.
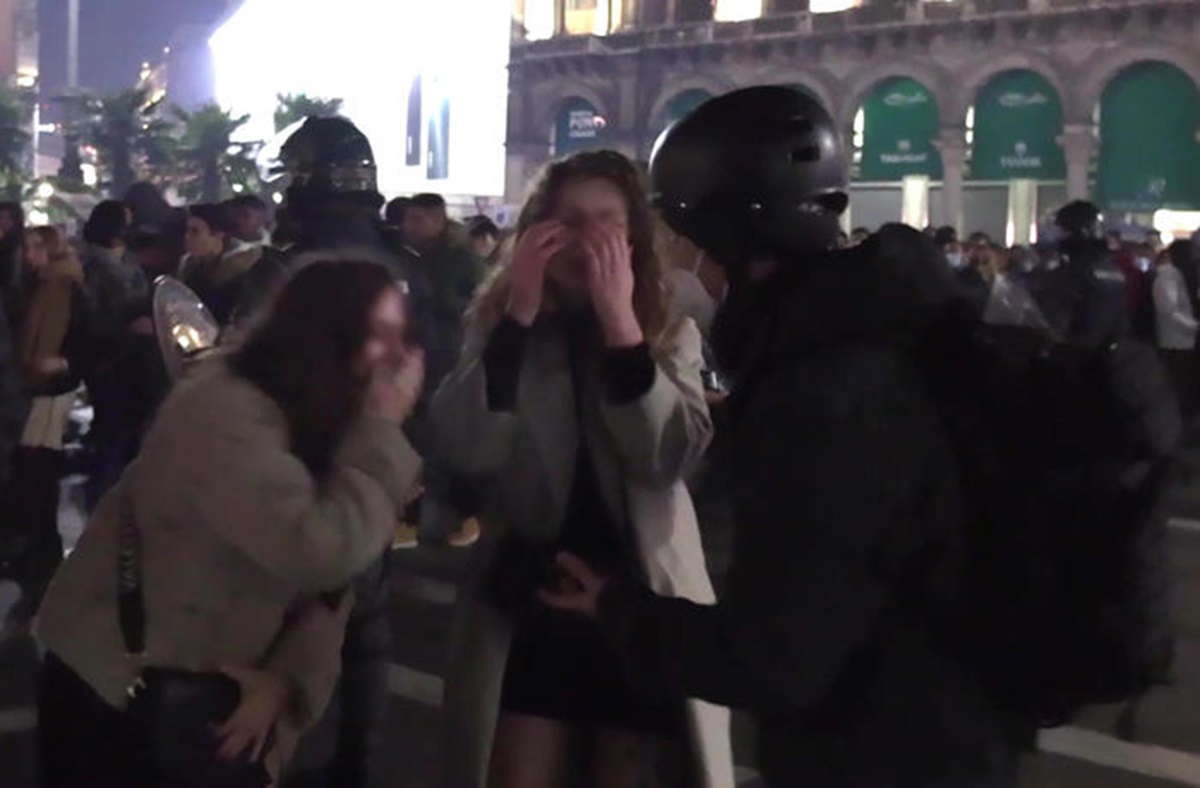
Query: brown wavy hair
{"points": [[649, 289]]}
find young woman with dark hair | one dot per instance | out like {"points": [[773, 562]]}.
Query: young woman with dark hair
{"points": [[269, 479], [578, 402], [210, 269]]}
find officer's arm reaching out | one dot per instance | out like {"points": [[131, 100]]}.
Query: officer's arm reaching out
{"points": [[834, 472]]}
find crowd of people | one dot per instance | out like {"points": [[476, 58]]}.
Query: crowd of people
{"points": [[388, 376], [1157, 285]]}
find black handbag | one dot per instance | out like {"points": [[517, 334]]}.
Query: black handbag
{"points": [[177, 709]]}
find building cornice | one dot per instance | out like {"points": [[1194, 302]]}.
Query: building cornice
{"points": [[870, 29]]}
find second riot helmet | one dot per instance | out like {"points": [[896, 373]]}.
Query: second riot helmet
{"points": [[756, 173], [328, 158], [1079, 220]]}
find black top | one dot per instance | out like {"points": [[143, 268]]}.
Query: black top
{"points": [[588, 527]]}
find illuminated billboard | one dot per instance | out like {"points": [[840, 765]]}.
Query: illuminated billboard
{"points": [[427, 82]]}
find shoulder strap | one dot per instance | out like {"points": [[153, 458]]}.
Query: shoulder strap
{"points": [[131, 606]]}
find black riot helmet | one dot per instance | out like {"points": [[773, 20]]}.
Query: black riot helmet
{"points": [[328, 159], [1080, 220], [754, 174]]}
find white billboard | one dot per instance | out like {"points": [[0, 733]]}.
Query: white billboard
{"points": [[426, 80]]}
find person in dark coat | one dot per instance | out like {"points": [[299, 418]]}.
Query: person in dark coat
{"points": [[14, 406], [12, 231], [1084, 297], [848, 521], [119, 381]]}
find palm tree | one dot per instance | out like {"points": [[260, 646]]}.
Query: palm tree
{"points": [[298, 106], [210, 163], [131, 137], [14, 143]]}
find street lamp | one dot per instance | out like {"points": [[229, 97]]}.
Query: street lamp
{"points": [[71, 170]]}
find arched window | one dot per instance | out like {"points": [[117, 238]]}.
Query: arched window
{"points": [[1149, 153]]}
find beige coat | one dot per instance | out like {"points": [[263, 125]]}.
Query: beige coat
{"points": [[234, 536], [642, 452]]}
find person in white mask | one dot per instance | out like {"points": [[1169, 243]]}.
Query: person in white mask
{"points": [[1176, 323]]}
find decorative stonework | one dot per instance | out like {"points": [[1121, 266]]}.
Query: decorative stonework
{"points": [[1078, 45]]}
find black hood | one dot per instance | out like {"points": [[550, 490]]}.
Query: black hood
{"points": [[891, 287]]}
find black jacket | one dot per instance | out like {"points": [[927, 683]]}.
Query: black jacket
{"points": [[348, 234], [14, 404], [847, 518], [1083, 296], [453, 273]]}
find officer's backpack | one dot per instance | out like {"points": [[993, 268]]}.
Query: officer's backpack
{"points": [[1063, 454]]}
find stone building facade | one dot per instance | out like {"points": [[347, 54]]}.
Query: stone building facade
{"points": [[629, 78]]}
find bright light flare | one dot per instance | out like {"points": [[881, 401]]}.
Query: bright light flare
{"points": [[426, 82], [738, 10], [832, 6], [1173, 225]]}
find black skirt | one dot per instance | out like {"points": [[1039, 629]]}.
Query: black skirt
{"points": [[562, 668]]}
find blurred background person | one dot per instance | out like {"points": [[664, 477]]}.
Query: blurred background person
{"points": [[53, 350], [118, 298], [214, 275], [248, 223], [485, 239], [12, 228], [1176, 325], [395, 211]]}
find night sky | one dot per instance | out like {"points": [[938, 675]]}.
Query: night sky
{"points": [[115, 36]]}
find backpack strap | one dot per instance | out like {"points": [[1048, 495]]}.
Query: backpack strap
{"points": [[131, 604]]}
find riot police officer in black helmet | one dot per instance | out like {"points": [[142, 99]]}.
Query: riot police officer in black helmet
{"points": [[331, 208], [330, 203], [1084, 294], [841, 474]]}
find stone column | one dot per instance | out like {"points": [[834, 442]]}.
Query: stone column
{"points": [[560, 17], [1022, 210], [914, 201], [953, 147], [1078, 144], [672, 12]]}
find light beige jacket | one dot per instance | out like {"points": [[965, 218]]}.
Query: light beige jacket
{"points": [[234, 536], [642, 452]]}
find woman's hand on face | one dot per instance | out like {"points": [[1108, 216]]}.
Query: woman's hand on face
{"points": [[248, 731], [396, 387], [610, 282], [533, 252]]}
